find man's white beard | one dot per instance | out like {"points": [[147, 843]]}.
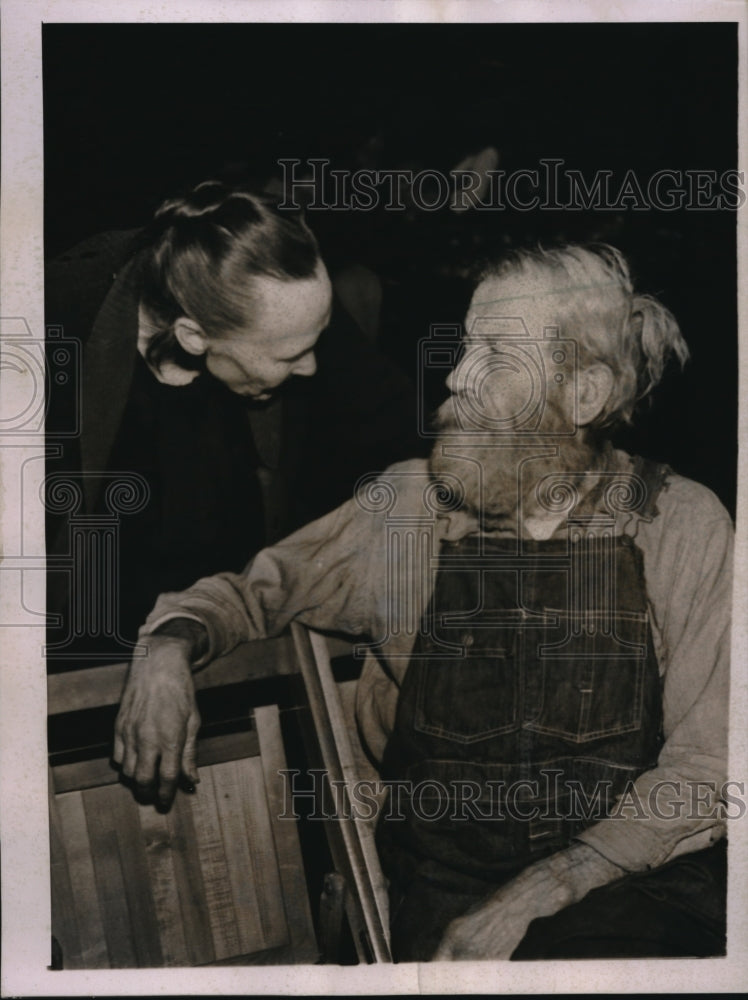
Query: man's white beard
{"points": [[499, 473]]}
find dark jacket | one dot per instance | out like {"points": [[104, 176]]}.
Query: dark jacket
{"points": [[311, 443]]}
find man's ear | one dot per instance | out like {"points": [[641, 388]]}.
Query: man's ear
{"points": [[190, 336], [594, 386]]}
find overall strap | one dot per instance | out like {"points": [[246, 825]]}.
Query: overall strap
{"points": [[653, 475]]}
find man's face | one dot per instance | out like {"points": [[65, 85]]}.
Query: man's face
{"points": [[279, 338], [510, 376], [492, 436]]}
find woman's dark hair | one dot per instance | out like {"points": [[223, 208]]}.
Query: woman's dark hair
{"points": [[201, 253]]}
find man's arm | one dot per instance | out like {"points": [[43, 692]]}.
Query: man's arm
{"points": [[495, 927], [674, 807], [321, 576]]}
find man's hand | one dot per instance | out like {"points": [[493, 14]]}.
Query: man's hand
{"points": [[495, 927], [156, 728]]}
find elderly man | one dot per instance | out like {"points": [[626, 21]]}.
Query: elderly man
{"points": [[546, 683]]}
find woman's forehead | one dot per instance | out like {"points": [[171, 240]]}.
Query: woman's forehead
{"points": [[284, 308]]}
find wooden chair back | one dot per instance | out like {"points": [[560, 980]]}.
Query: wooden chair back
{"points": [[218, 879]]}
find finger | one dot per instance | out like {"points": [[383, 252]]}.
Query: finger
{"points": [[189, 754], [168, 773], [167, 789], [146, 768], [129, 760], [118, 750]]}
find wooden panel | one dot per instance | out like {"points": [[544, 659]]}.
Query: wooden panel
{"points": [[64, 918], [97, 686], [84, 774], [285, 955], [141, 908], [163, 881], [286, 838], [218, 879], [99, 771], [212, 852], [89, 688], [190, 886], [219, 876], [93, 950], [228, 789], [110, 886], [351, 839], [264, 860]]}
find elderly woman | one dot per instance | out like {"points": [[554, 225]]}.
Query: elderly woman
{"points": [[221, 368]]}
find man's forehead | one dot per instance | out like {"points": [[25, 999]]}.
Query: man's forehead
{"points": [[506, 292], [518, 297]]}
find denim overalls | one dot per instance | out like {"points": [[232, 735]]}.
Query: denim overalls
{"points": [[532, 698]]}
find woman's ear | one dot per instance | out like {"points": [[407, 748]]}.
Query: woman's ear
{"points": [[190, 336], [594, 386]]}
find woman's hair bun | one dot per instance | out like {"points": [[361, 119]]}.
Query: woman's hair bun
{"points": [[206, 197], [202, 251]]}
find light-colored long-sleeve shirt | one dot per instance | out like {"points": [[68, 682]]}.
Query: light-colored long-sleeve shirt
{"points": [[367, 569]]}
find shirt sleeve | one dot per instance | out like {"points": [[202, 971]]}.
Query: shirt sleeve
{"points": [[319, 576], [674, 808]]}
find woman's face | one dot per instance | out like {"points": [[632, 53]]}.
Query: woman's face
{"points": [[278, 341]]}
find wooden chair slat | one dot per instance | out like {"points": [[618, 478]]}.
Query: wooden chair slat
{"points": [[286, 837], [221, 912], [163, 881], [190, 885]]}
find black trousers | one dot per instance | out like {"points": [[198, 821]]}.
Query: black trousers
{"points": [[675, 911]]}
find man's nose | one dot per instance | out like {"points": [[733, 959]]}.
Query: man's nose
{"points": [[305, 366], [456, 379]]}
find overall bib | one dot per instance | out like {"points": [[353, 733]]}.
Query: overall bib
{"points": [[531, 700]]}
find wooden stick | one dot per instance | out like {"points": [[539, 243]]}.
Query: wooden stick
{"points": [[365, 880]]}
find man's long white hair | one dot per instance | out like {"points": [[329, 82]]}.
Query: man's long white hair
{"points": [[591, 299]]}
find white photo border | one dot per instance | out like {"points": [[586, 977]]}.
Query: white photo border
{"points": [[23, 779]]}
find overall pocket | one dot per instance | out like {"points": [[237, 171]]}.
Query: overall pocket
{"points": [[591, 667], [467, 699]]}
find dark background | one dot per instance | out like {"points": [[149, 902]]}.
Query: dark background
{"points": [[135, 113]]}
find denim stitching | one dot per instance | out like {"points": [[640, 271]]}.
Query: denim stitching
{"points": [[583, 736]]}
